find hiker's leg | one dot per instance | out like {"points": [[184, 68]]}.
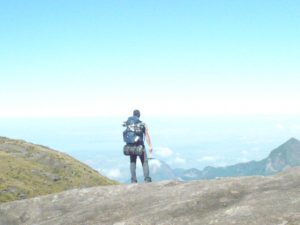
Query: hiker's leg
{"points": [[144, 161], [133, 168]]}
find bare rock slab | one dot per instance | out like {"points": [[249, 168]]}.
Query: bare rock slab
{"points": [[259, 200]]}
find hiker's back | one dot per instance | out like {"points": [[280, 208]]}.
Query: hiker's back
{"points": [[134, 132], [133, 136]]}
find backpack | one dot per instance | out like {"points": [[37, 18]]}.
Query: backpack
{"points": [[134, 130]]}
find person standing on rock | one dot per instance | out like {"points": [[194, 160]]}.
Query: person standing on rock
{"points": [[135, 133]]}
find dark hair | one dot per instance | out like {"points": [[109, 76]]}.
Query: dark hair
{"points": [[137, 113]]}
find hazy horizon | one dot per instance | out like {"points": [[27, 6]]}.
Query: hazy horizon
{"points": [[180, 142]]}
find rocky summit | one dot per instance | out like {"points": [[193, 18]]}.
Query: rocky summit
{"points": [[259, 200]]}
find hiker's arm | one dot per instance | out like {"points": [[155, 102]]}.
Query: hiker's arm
{"points": [[148, 139]]}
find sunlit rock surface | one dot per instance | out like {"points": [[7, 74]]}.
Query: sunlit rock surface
{"points": [[271, 200]]}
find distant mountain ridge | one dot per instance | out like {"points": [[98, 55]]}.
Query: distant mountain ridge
{"points": [[285, 156], [29, 170]]}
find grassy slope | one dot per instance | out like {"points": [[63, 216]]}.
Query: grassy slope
{"points": [[28, 170]]}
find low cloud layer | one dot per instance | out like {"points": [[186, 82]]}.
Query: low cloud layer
{"points": [[207, 159], [163, 152]]}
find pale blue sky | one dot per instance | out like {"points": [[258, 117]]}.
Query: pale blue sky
{"points": [[93, 58]]}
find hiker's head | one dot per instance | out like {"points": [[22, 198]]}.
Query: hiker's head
{"points": [[137, 113]]}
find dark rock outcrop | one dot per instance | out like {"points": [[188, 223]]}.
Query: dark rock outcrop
{"points": [[271, 200]]}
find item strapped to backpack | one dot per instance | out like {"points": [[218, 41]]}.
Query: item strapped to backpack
{"points": [[134, 131], [133, 150]]}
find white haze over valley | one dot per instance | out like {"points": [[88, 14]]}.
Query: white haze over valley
{"points": [[194, 142]]}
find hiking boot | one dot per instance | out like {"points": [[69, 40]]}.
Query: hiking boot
{"points": [[133, 181], [148, 180]]}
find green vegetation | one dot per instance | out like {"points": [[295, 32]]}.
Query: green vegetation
{"points": [[29, 170]]}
